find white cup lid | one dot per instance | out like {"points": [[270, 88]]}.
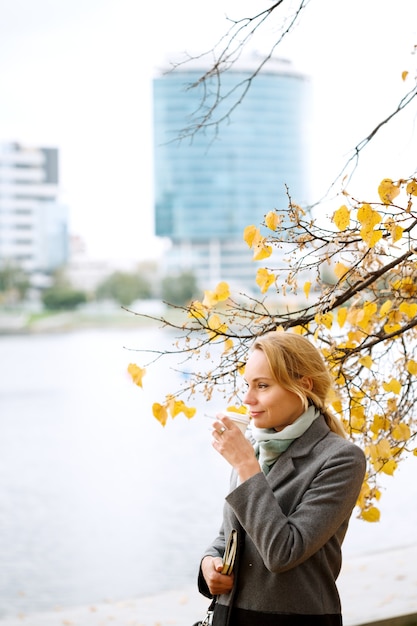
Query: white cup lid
{"points": [[237, 417]]}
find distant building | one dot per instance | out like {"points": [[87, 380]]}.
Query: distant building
{"points": [[208, 188], [82, 271], [33, 222]]}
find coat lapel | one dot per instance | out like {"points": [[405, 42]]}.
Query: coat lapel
{"points": [[284, 466]]}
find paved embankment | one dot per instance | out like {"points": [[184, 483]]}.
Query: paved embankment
{"points": [[379, 589]]}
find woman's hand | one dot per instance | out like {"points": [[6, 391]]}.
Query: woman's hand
{"points": [[232, 444], [217, 583]]}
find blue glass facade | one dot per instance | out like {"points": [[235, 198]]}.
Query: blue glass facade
{"points": [[210, 187]]}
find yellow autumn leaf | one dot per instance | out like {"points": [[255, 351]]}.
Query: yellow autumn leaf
{"points": [[379, 423], [401, 432], [410, 310], [393, 385], [366, 361], [391, 328], [197, 310], [160, 413], [340, 270], [250, 234], [228, 345], [210, 299], [363, 495], [221, 293], [137, 373], [175, 407], [307, 287], [189, 411], [264, 279], [341, 217], [372, 514], [368, 217], [406, 285], [412, 187], [396, 233], [242, 410], [215, 326], [394, 319], [178, 406], [337, 406], [341, 316], [412, 367], [357, 421], [370, 237], [365, 315], [385, 308], [388, 190], [272, 220], [394, 229], [404, 75], [389, 467], [261, 251], [325, 319], [300, 330]]}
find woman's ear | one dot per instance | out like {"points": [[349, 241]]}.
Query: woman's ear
{"points": [[307, 382]]}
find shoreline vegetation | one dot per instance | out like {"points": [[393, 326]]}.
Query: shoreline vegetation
{"points": [[19, 321]]}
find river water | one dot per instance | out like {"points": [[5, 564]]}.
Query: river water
{"points": [[98, 501]]}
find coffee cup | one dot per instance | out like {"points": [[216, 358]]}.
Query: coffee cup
{"points": [[241, 420]]}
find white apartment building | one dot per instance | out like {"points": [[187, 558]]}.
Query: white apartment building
{"points": [[33, 223]]}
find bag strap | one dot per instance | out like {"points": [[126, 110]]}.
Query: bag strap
{"points": [[209, 615]]}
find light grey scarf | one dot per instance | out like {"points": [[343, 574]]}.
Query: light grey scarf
{"points": [[269, 443]]}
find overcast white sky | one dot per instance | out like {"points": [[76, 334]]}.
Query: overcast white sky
{"points": [[76, 74]]}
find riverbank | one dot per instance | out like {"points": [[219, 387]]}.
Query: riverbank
{"points": [[89, 316], [378, 589]]}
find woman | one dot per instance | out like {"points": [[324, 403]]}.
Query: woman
{"points": [[290, 501]]}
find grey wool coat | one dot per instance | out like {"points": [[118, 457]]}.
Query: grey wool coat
{"points": [[291, 525]]}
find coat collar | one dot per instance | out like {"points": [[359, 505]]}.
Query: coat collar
{"points": [[302, 446]]}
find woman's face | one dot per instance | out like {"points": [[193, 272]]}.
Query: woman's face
{"points": [[269, 404]]}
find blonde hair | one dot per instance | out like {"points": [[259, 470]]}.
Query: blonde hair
{"points": [[293, 358]]}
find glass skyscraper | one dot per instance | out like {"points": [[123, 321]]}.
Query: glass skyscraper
{"points": [[211, 185]]}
